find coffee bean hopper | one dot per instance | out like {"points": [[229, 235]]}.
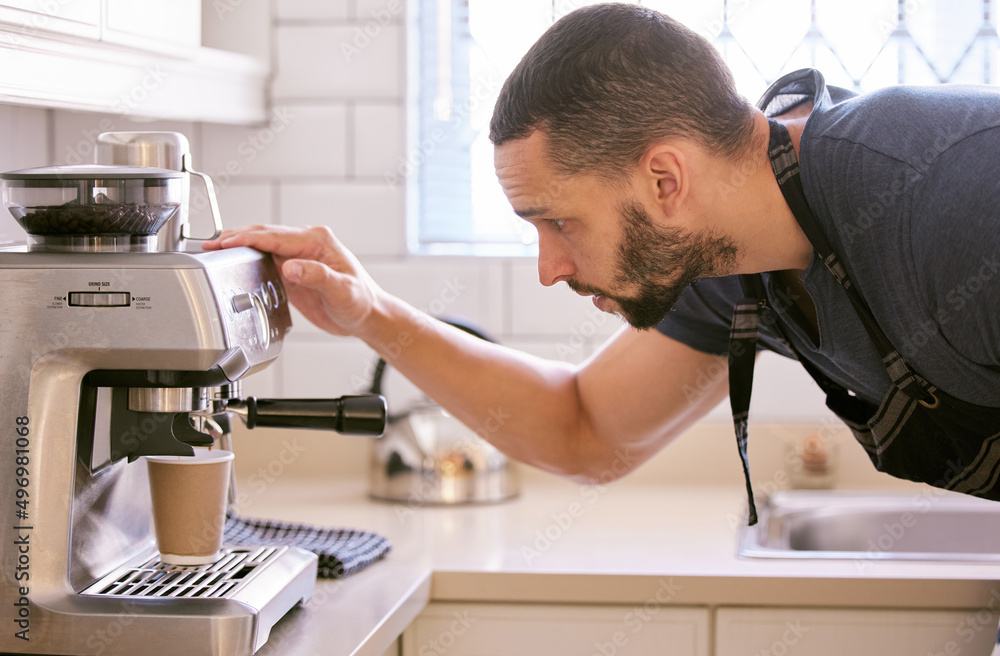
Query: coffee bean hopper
{"points": [[112, 350], [93, 208]]}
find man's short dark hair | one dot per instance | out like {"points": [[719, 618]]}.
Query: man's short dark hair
{"points": [[606, 81]]}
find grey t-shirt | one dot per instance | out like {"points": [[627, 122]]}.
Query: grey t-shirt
{"points": [[905, 182]]}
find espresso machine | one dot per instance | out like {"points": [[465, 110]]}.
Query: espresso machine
{"points": [[112, 349]]}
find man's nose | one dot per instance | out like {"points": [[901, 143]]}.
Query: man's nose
{"points": [[554, 263]]}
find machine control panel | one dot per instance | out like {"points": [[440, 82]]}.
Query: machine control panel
{"points": [[243, 302], [99, 299], [252, 303]]}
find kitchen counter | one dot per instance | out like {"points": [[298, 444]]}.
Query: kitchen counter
{"points": [[567, 543]]}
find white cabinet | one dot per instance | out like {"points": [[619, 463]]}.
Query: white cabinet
{"points": [[166, 22], [858, 632], [137, 23], [471, 629], [480, 629], [126, 57], [73, 17]]}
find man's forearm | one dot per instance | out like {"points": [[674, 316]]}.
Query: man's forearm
{"points": [[526, 406]]}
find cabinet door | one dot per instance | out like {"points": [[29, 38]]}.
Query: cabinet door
{"points": [[156, 23], [858, 632], [545, 630]]}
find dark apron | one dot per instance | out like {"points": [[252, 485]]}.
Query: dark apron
{"points": [[918, 433]]}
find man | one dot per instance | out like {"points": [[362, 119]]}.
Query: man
{"points": [[621, 138]]}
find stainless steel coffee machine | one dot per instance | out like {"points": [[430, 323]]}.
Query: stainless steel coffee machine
{"points": [[111, 350]]}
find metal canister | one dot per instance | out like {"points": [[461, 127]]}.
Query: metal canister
{"points": [[164, 150]]}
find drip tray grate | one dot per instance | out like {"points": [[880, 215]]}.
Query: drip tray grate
{"points": [[215, 580]]}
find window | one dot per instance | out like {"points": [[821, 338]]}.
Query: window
{"points": [[464, 49]]}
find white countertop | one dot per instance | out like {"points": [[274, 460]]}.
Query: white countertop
{"points": [[566, 543]]}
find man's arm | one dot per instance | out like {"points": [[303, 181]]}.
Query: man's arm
{"points": [[619, 408], [594, 422]]}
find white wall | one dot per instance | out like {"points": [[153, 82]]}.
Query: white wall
{"points": [[337, 127]]}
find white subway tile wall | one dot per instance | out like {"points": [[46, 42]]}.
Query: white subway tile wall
{"points": [[339, 61], [380, 10], [337, 126], [24, 143], [555, 312], [312, 10], [243, 27], [447, 287], [240, 204], [327, 367], [368, 217], [74, 133], [299, 141], [379, 140]]}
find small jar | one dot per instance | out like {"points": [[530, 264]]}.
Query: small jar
{"points": [[812, 463]]}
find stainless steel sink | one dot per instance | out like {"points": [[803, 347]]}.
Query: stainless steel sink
{"points": [[929, 525]]}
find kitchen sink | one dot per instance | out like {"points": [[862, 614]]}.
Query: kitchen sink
{"points": [[928, 525]]}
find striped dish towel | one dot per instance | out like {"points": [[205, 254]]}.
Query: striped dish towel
{"points": [[341, 551]]}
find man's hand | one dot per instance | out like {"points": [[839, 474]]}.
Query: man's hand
{"points": [[323, 280]]}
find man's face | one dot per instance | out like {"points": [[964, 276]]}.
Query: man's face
{"points": [[602, 241]]}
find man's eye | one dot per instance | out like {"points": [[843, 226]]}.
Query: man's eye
{"points": [[559, 223]]}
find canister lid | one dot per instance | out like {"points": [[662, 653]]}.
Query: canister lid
{"points": [[91, 172]]}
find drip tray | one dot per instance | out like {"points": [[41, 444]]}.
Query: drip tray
{"points": [[215, 580], [265, 581]]}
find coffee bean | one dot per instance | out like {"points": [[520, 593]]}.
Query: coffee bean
{"points": [[76, 219]]}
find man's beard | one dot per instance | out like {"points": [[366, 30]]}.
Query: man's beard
{"points": [[660, 263]]}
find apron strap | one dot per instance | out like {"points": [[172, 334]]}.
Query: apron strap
{"points": [[742, 355], [746, 317], [786, 170]]}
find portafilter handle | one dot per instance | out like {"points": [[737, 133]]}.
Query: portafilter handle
{"points": [[352, 415]]}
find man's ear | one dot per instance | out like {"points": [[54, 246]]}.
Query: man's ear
{"points": [[664, 173]]}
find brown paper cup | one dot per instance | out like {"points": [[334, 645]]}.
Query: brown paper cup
{"points": [[189, 505]]}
